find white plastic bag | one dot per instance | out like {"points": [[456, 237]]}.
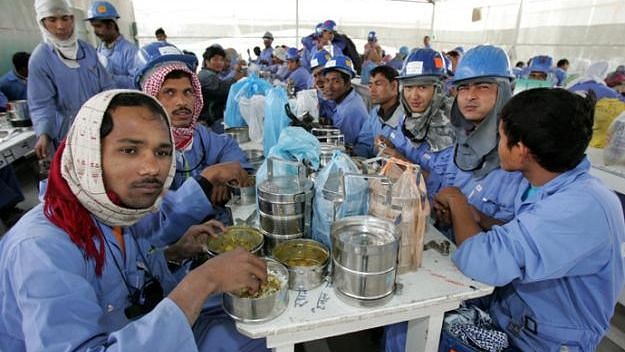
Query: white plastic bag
{"points": [[307, 103], [614, 152], [253, 112]]}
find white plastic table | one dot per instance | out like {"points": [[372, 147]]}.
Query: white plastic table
{"points": [[437, 287]]}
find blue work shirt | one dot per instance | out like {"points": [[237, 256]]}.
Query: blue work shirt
{"points": [[558, 265], [3, 102], [56, 92], [208, 148], [435, 163], [300, 77], [53, 301], [601, 91], [333, 49], [119, 61], [13, 87], [492, 194], [560, 76], [265, 56], [376, 126], [349, 116], [327, 107]]}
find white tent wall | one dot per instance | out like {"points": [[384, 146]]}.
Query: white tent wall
{"points": [[580, 30], [19, 30]]}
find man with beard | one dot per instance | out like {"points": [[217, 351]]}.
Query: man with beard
{"points": [[78, 272], [115, 52]]}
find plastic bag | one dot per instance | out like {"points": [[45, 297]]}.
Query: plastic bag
{"points": [[294, 144], [247, 88], [329, 195], [614, 152], [307, 102], [409, 210], [275, 117], [606, 110], [253, 112]]}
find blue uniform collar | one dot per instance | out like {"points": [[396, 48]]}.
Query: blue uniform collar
{"points": [[556, 184], [396, 117]]}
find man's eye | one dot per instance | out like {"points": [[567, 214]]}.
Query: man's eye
{"points": [[163, 153], [128, 150]]}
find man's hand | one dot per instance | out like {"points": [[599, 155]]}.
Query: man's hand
{"points": [[451, 200], [220, 195], [221, 174], [384, 147], [193, 242], [231, 271], [42, 145]]}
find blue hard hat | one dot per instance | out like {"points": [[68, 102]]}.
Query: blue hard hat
{"points": [[319, 59], [153, 54], [423, 62], [541, 63], [292, 54], [404, 51], [371, 36], [328, 25], [342, 64], [483, 61], [318, 29], [102, 10]]}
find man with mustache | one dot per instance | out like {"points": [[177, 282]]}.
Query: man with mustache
{"points": [[63, 72], [168, 78], [78, 271]]}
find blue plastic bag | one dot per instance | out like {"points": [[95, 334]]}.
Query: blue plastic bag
{"points": [[247, 87], [328, 196], [294, 144], [275, 117]]}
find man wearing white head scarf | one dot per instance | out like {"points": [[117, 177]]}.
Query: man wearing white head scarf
{"points": [[593, 79], [63, 72], [77, 273]]}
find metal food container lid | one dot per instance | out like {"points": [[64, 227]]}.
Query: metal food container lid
{"points": [[254, 155], [364, 234], [301, 253], [236, 236], [284, 189]]}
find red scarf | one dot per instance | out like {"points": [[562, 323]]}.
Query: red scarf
{"points": [[64, 210]]}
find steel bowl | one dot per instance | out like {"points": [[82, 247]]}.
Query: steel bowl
{"points": [[246, 194], [306, 260], [236, 236], [252, 310], [255, 157], [240, 134]]}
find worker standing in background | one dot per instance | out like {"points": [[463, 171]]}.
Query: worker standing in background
{"points": [[266, 54], [160, 35], [351, 112], [371, 58], [561, 72], [63, 72], [325, 39], [115, 52], [540, 68], [13, 83], [297, 73]]}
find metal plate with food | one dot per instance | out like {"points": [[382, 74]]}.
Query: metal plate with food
{"points": [[306, 260], [267, 303], [236, 236]]}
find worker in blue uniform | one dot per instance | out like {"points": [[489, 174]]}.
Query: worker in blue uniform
{"points": [[78, 272], [297, 73], [482, 80], [266, 54], [63, 72], [560, 72], [327, 107], [13, 83], [558, 265], [167, 76], [386, 113], [424, 134], [115, 52], [397, 62], [541, 68], [325, 39], [351, 112], [4, 102], [308, 43]]}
